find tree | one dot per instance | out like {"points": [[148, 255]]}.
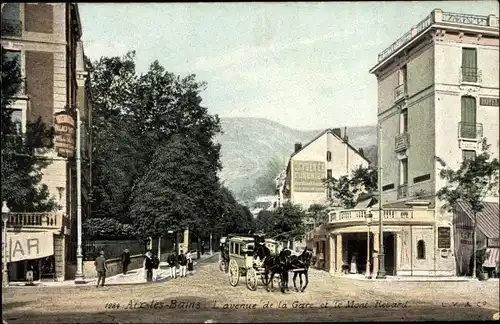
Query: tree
{"points": [[348, 188], [140, 118], [472, 182], [172, 194], [318, 213], [21, 167], [287, 223]]}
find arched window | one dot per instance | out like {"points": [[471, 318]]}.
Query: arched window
{"points": [[421, 249], [328, 155]]}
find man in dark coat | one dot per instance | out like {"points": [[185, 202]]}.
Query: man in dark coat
{"points": [[125, 261], [172, 263], [182, 263], [149, 266], [101, 267]]}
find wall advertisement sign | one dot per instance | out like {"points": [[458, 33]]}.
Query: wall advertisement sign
{"points": [[308, 176], [64, 141]]}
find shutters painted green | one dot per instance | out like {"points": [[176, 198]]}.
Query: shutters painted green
{"points": [[469, 64], [468, 123]]}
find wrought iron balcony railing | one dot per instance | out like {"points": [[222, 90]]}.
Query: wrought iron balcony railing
{"points": [[470, 130], [400, 92], [402, 191], [472, 75], [402, 142], [11, 27]]}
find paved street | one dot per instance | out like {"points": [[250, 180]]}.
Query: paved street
{"points": [[208, 295]]}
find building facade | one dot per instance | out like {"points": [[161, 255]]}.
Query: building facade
{"points": [[45, 38], [438, 96], [328, 155]]}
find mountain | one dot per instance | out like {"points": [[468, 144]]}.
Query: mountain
{"points": [[248, 145]]}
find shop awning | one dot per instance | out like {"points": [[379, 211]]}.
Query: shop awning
{"points": [[493, 258], [487, 221]]}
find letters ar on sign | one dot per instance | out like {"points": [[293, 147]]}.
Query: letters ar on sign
{"points": [[29, 246]]}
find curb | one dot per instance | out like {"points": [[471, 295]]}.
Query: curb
{"points": [[91, 282], [407, 280]]}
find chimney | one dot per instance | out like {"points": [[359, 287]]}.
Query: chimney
{"points": [[337, 132], [346, 138], [298, 146]]}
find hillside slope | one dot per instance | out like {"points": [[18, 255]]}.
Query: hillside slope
{"points": [[249, 144]]}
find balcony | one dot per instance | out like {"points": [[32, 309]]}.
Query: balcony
{"points": [[37, 221], [470, 131], [357, 216], [12, 27], [402, 191], [470, 75], [400, 92], [401, 142]]}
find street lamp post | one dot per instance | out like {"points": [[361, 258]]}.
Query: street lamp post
{"points": [[368, 218], [381, 254], [5, 218], [79, 279]]}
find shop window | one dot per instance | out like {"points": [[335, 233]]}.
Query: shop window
{"points": [[421, 250]]}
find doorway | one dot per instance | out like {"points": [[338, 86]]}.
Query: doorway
{"points": [[390, 253]]}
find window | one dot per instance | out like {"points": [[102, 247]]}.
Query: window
{"points": [[469, 64], [14, 57], [11, 21], [468, 155], [328, 156], [403, 122], [421, 250], [468, 121], [17, 120], [329, 173], [403, 172]]}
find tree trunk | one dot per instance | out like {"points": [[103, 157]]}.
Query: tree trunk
{"points": [[474, 247], [198, 249]]}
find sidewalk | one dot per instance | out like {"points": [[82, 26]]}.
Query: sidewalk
{"points": [[133, 277], [414, 278]]}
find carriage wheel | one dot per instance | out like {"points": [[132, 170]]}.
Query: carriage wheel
{"points": [[234, 273], [251, 279]]}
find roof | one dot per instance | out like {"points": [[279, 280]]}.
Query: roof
{"points": [[487, 221], [329, 130]]}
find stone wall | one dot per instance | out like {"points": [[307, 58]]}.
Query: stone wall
{"points": [[115, 266]]}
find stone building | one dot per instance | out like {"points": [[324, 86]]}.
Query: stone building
{"points": [[437, 96], [45, 38]]}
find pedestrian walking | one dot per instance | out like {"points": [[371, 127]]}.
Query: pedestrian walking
{"points": [[156, 266], [172, 263], [125, 261], [101, 267], [190, 265], [202, 247], [182, 263], [148, 266]]}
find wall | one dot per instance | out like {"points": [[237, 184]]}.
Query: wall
{"points": [[420, 69], [315, 151], [115, 266], [390, 171]]}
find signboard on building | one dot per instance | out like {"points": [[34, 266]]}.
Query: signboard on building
{"points": [[444, 238], [484, 101], [29, 245], [308, 176], [466, 237], [64, 141]]}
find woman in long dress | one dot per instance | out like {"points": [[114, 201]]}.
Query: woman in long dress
{"points": [[354, 267], [189, 263]]}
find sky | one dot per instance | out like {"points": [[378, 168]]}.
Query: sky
{"points": [[304, 65]]}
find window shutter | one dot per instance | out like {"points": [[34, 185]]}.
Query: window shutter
{"points": [[469, 64], [468, 125]]}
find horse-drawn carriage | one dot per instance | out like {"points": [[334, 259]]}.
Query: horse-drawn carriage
{"points": [[244, 263]]}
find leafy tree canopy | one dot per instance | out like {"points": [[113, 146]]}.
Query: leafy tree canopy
{"points": [[21, 167]]}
